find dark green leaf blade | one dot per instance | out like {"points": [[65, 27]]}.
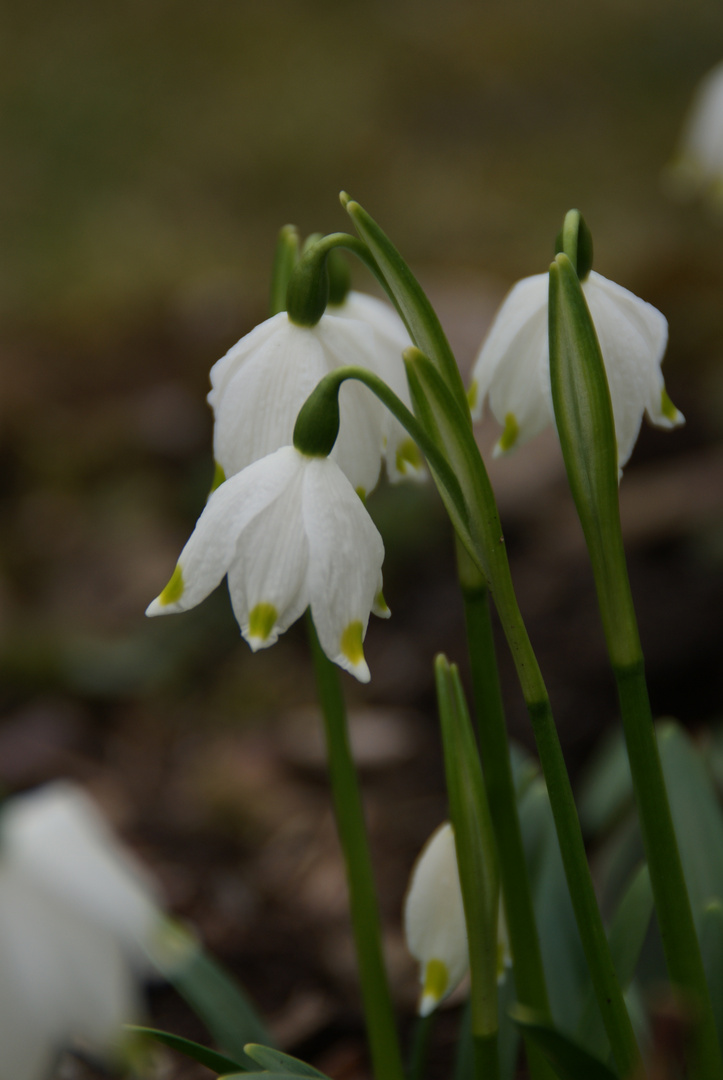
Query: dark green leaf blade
{"points": [[212, 1060]]}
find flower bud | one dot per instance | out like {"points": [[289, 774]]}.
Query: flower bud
{"points": [[434, 919]]}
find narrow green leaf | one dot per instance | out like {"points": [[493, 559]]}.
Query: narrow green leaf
{"points": [[277, 1062], [474, 841], [213, 995], [216, 1062], [414, 307], [569, 1060]]}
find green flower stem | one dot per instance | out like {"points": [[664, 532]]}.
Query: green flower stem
{"points": [[587, 436], [423, 1028], [383, 1041], [486, 1057], [492, 732]]}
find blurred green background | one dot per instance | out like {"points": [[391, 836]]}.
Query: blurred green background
{"points": [[149, 152]]}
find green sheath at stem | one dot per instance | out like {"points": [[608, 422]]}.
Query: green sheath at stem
{"points": [[381, 1029]]}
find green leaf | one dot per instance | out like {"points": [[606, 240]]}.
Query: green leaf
{"points": [[569, 1060], [212, 994], [696, 814], [414, 307], [276, 1062], [257, 1076], [216, 1062], [711, 946]]}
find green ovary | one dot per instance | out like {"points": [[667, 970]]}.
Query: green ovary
{"points": [[174, 589], [262, 619], [351, 643], [436, 980], [408, 456], [509, 436]]}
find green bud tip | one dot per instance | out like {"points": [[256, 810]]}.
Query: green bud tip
{"points": [[308, 291], [575, 241]]}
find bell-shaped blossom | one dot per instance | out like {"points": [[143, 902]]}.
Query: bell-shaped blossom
{"points": [[77, 919], [434, 921], [512, 369], [290, 532], [698, 167], [402, 456], [259, 386]]}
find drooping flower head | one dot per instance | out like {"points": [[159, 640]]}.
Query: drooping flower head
{"points": [[512, 370], [77, 919], [289, 532], [434, 921]]}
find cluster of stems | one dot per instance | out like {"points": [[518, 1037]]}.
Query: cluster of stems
{"points": [[441, 426]]}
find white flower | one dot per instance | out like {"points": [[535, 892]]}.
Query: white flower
{"points": [[402, 456], [513, 366], [434, 921], [699, 163], [76, 918], [259, 386], [290, 532]]}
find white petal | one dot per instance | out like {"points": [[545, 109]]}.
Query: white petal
{"points": [[702, 143], [268, 580], [434, 920], [57, 838], [212, 547], [256, 410], [358, 450], [510, 334], [633, 336], [513, 369], [225, 368], [345, 558]]}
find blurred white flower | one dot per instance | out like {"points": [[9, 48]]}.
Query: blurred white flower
{"points": [[434, 921], [77, 918], [512, 369], [698, 166], [290, 532], [402, 456], [259, 386]]}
